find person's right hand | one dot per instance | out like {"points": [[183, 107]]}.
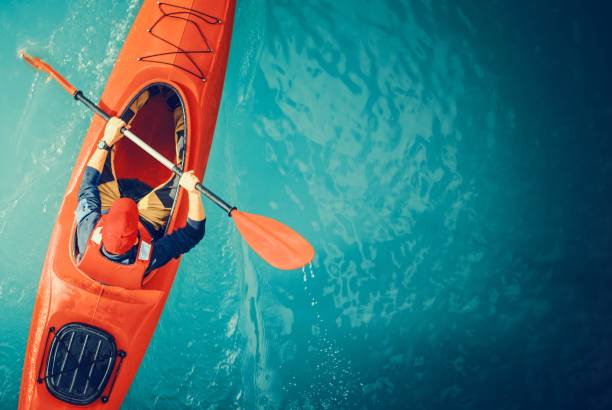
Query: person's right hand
{"points": [[112, 132]]}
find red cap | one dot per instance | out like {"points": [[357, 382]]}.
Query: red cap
{"points": [[120, 226]]}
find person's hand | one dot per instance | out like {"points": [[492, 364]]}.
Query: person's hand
{"points": [[188, 181], [112, 132]]}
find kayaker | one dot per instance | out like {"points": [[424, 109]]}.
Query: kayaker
{"points": [[118, 234]]}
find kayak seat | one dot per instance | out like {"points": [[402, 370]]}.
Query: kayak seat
{"points": [[156, 115]]}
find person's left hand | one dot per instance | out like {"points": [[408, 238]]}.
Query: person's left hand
{"points": [[189, 181], [112, 132]]}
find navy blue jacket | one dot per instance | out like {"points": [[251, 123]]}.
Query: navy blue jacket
{"points": [[164, 249]]}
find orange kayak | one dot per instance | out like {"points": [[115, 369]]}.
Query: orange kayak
{"points": [[87, 339]]}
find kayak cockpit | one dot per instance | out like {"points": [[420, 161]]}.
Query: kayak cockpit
{"points": [[157, 115]]}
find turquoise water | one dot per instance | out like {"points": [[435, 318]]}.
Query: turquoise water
{"points": [[449, 162]]}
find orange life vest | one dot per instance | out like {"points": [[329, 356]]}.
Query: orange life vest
{"points": [[100, 268]]}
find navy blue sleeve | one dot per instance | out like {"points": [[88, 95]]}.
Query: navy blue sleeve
{"points": [[177, 243], [88, 208]]}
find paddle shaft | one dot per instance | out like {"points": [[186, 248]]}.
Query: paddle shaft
{"points": [[151, 151]]}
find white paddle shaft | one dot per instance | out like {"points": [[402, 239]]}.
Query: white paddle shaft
{"points": [[164, 161]]}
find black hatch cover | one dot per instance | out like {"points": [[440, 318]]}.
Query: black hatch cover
{"points": [[80, 363]]}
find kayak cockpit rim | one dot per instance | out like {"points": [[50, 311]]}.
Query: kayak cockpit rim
{"points": [[172, 90]]}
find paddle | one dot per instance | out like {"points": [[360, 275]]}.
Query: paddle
{"points": [[276, 243]]}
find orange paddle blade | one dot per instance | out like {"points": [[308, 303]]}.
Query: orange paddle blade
{"points": [[38, 64], [276, 243]]}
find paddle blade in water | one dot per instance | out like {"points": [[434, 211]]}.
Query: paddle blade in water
{"points": [[275, 242], [33, 61], [39, 64]]}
